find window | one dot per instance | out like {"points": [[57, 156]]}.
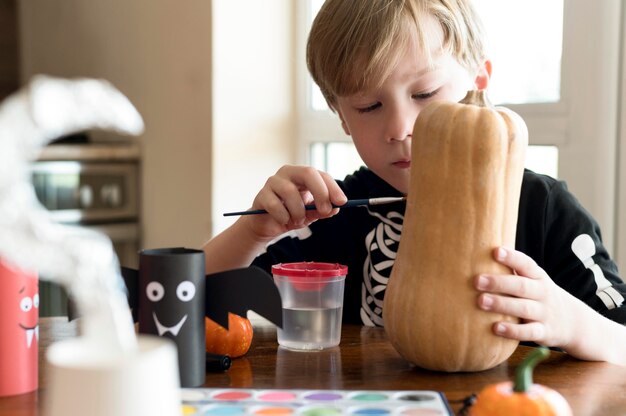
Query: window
{"points": [[527, 63]]}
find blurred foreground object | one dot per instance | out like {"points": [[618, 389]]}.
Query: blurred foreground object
{"points": [[83, 262]]}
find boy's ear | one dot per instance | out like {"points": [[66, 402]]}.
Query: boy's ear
{"points": [[483, 76]]}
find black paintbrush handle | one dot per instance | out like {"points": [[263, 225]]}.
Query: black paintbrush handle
{"points": [[350, 203]]}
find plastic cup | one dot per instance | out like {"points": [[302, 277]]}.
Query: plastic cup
{"points": [[312, 296]]}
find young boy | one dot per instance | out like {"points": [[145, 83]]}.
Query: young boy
{"points": [[378, 64]]}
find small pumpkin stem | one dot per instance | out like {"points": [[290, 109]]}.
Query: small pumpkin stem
{"points": [[477, 97], [524, 373]]}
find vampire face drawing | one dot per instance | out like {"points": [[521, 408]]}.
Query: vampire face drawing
{"points": [[170, 294], [19, 330]]}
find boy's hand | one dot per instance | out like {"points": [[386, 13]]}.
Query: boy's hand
{"points": [[284, 195], [547, 312]]}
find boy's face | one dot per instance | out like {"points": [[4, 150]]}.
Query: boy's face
{"points": [[381, 121]]}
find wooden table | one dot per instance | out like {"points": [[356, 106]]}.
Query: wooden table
{"points": [[366, 360]]}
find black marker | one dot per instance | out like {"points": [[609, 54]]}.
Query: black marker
{"points": [[217, 362]]}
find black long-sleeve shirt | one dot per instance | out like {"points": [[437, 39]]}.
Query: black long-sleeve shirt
{"points": [[553, 228]]}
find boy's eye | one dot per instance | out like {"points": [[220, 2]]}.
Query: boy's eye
{"points": [[368, 108], [425, 95]]}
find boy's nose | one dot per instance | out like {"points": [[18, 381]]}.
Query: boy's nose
{"points": [[400, 125]]}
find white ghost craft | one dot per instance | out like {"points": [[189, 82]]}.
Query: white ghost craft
{"points": [[82, 261]]}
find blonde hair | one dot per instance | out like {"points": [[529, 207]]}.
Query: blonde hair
{"points": [[355, 44]]}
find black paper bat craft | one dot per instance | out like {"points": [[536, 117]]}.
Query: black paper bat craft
{"points": [[170, 295], [173, 295], [236, 291]]}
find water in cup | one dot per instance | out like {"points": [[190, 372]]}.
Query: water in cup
{"points": [[308, 328], [312, 296]]}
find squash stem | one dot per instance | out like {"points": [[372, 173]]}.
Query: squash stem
{"points": [[524, 373], [477, 97]]}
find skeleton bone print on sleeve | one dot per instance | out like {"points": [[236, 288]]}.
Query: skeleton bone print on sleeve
{"points": [[382, 245], [584, 248]]}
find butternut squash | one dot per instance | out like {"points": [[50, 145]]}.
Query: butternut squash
{"points": [[466, 172]]}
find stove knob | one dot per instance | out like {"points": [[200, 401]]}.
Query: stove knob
{"points": [[85, 196], [111, 195]]}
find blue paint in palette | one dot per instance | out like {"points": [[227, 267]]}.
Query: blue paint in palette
{"points": [[222, 410], [283, 402], [372, 411]]}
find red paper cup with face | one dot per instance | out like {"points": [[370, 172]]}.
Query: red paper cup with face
{"points": [[19, 330]]}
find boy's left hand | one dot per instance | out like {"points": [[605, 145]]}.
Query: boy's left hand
{"points": [[545, 309]]}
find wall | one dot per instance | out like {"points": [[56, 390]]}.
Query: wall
{"points": [[158, 52], [254, 107]]}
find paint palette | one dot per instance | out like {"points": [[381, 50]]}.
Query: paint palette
{"points": [[205, 401]]}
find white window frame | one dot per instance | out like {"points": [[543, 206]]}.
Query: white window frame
{"points": [[583, 124], [312, 126]]}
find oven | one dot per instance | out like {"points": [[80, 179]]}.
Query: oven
{"points": [[99, 190], [87, 192]]}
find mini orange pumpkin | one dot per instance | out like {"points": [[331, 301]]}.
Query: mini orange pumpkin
{"points": [[523, 397], [234, 341]]}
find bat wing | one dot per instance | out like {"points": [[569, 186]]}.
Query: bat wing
{"points": [[131, 280], [240, 290]]}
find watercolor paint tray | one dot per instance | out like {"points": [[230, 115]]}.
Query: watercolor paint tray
{"points": [[233, 401]]}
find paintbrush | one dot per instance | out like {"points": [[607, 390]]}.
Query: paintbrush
{"points": [[350, 203]]}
